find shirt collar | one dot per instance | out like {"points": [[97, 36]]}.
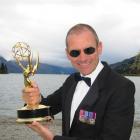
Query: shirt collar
{"points": [[95, 73]]}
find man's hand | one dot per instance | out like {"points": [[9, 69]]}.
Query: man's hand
{"points": [[31, 95], [42, 130]]}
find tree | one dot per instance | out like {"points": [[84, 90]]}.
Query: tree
{"points": [[3, 69], [135, 68]]}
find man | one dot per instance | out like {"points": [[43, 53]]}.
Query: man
{"points": [[97, 106]]}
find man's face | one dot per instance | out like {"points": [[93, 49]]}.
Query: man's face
{"points": [[84, 63]]}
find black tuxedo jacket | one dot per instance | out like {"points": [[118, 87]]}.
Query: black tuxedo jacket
{"points": [[111, 96]]}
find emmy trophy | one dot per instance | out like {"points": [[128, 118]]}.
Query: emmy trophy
{"points": [[23, 56]]}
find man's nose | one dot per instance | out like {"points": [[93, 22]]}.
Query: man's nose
{"points": [[82, 56]]}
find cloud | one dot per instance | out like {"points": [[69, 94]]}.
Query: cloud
{"points": [[44, 24]]}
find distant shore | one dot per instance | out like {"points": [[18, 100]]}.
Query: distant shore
{"points": [[9, 129]]}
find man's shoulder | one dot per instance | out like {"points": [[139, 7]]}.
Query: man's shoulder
{"points": [[114, 78], [71, 78], [118, 79]]}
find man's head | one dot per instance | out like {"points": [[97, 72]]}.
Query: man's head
{"points": [[83, 48]]}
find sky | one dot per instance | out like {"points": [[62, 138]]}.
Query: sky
{"points": [[43, 25]]}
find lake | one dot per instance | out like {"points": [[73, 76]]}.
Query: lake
{"points": [[11, 85]]}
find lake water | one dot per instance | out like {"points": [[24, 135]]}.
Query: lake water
{"points": [[11, 85]]}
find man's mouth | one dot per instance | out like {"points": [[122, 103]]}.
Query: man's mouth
{"points": [[83, 64]]}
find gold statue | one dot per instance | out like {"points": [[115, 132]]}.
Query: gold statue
{"points": [[23, 56], [21, 51]]}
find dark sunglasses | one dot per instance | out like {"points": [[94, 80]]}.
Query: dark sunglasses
{"points": [[76, 53]]}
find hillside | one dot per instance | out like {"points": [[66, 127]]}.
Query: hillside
{"points": [[129, 66]]}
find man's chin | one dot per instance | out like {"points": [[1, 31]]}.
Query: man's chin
{"points": [[85, 72]]}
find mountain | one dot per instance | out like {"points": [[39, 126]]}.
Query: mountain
{"points": [[129, 66], [43, 68], [51, 69]]}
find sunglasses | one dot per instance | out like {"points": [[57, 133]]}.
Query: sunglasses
{"points": [[76, 53]]}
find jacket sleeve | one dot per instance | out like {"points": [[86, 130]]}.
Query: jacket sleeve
{"points": [[54, 101]]}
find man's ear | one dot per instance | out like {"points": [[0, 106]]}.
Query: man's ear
{"points": [[100, 48], [66, 50]]}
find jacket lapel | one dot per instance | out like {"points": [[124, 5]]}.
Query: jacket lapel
{"points": [[97, 86], [67, 107], [89, 100], [91, 96]]}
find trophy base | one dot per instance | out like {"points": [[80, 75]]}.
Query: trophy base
{"points": [[25, 115], [30, 120]]}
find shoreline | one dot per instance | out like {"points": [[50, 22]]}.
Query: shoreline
{"points": [[10, 129]]}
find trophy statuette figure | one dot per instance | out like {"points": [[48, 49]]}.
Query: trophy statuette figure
{"points": [[31, 112]]}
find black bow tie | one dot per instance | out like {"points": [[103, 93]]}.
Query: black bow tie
{"points": [[87, 80]]}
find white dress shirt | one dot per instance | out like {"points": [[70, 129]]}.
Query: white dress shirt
{"points": [[82, 89]]}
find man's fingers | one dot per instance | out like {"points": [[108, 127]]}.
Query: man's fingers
{"points": [[37, 126], [31, 95], [34, 124], [29, 89], [34, 85], [42, 130]]}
